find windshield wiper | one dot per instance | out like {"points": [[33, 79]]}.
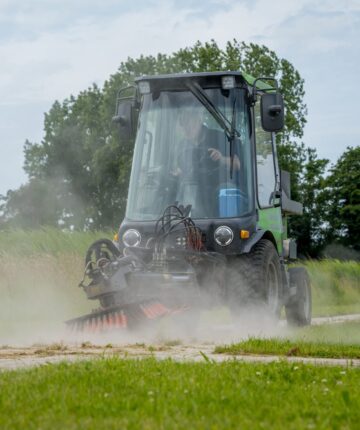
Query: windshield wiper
{"points": [[228, 127], [232, 138], [204, 99]]}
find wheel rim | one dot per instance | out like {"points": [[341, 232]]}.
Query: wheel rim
{"points": [[273, 288]]}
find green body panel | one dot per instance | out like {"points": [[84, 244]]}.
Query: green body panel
{"points": [[260, 85], [271, 219], [285, 227]]}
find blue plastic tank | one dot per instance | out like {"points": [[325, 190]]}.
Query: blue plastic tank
{"points": [[231, 202]]}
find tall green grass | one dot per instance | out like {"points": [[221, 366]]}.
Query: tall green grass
{"points": [[39, 275], [335, 286], [37, 294], [47, 240]]}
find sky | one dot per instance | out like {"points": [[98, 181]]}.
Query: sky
{"points": [[50, 49]]}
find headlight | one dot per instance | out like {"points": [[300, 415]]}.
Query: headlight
{"points": [[223, 235], [131, 237]]}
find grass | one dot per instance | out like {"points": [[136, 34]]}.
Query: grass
{"points": [[46, 241], [39, 273], [335, 286], [286, 347], [148, 394], [330, 341]]}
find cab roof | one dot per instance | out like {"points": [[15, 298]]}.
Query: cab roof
{"points": [[175, 79]]}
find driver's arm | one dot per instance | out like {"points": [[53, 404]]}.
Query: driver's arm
{"points": [[216, 155]]}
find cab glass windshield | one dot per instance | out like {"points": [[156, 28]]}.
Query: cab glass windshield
{"points": [[182, 157]]}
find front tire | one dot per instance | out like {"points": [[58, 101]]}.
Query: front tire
{"points": [[255, 279]]}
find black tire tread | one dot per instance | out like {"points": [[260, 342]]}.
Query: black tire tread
{"points": [[251, 269]]}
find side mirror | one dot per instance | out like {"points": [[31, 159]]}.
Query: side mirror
{"points": [[272, 111], [125, 117]]}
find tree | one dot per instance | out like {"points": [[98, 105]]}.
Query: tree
{"points": [[343, 193], [309, 228], [31, 206], [82, 153]]}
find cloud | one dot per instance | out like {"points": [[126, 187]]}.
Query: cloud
{"points": [[317, 30], [74, 45], [50, 50]]}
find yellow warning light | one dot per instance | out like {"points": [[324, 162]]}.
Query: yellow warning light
{"points": [[116, 237], [244, 234]]}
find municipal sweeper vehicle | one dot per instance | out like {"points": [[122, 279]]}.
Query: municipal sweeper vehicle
{"points": [[207, 206]]}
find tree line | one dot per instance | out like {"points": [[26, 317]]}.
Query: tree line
{"points": [[78, 174]]}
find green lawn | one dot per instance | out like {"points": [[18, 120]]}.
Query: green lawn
{"points": [[276, 346], [149, 394], [332, 341]]}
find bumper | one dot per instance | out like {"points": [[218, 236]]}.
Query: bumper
{"points": [[171, 289], [128, 287]]}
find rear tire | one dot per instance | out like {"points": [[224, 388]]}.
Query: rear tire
{"points": [[254, 279], [299, 308]]}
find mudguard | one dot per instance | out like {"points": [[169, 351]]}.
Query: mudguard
{"points": [[253, 240]]}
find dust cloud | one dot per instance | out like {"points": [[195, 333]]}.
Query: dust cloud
{"points": [[215, 326], [38, 293]]}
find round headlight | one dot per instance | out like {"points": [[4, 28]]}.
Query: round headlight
{"points": [[131, 237], [223, 235]]}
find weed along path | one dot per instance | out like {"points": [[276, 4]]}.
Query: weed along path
{"points": [[331, 341]]}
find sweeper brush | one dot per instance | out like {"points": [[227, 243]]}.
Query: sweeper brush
{"points": [[118, 317]]}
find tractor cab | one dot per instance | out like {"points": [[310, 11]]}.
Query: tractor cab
{"points": [[204, 143]]}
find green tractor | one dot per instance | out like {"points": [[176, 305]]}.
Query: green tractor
{"points": [[207, 207]]}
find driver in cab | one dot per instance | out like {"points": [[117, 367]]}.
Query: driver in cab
{"points": [[201, 165], [201, 148]]}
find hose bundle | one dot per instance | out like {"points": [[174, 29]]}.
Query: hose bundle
{"points": [[173, 220]]}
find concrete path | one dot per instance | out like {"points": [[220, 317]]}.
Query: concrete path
{"points": [[22, 357]]}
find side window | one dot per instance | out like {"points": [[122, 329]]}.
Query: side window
{"points": [[265, 162]]}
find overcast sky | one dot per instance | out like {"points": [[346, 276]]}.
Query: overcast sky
{"points": [[50, 49]]}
